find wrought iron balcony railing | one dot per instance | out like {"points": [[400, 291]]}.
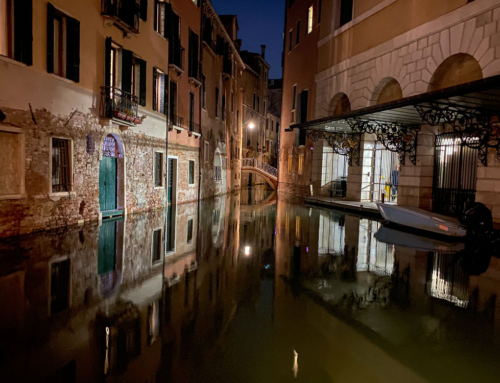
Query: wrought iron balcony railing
{"points": [[115, 103], [176, 56], [125, 13], [194, 127], [195, 70], [176, 120]]}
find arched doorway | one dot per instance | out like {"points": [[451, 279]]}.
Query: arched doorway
{"points": [[111, 174], [455, 163]]}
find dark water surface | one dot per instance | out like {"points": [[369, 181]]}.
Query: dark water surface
{"points": [[252, 288]]}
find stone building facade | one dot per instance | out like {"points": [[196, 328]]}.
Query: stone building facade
{"points": [[89, 96], [360, 66]]}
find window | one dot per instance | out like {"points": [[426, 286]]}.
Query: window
{"points": [[223, 107], [290, 158], [63, 44], [138, 80], [192, 122], [156, 247], [232, 101], [301, 163], [310, 20], [191, 172], [297, 227], [278, 127], [203, 92], [158, 169], [258, 104], [267, 123], [294, 96], [159, 91], [206, 148], [345, 12], [254, 101], [16, 30], [217, 172], [237, 121], [160, 16], [190, 226], [319, 10], [303, 106], [264, 110], [216, 102], [12, 176], [59, 286], [194, 46], [172, 99], [290, 40], [61, 165], [297, 34]]}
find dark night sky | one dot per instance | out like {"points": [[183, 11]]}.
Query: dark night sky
{"points": [[261, 22]]}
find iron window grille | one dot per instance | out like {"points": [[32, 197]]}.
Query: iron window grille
{"points": [[158, 178], [61, 165]]}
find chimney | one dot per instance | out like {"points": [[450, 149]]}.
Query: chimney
{"points": [[263, 51]]}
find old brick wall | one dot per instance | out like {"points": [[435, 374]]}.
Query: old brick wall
{"points": [[40, 209]]}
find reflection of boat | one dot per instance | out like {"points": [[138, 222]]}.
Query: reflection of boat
{"points": [[414, 241], [422, 220]]}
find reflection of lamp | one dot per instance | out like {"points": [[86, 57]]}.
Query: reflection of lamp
{"points": [[247, 250]]}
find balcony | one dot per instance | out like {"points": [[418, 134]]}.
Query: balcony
{"points": [[194, 129], [120, 105], [176, 122], [176, 57], [125, 14], [194, 72]]}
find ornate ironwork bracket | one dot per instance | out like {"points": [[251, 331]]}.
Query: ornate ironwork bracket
{"points": [[396, 137], [477, 129], [344, 144]]}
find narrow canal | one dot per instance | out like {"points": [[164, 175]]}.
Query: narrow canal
{"points": [[252, 288]]}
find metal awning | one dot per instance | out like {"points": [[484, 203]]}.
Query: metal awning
{"points": [[471, 109], [480, 95]]}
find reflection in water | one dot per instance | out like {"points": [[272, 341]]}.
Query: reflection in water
{"points": [[223, 291]]}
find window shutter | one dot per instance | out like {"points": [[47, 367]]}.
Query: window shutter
{"points": [[126, 71], [303, 105], [144, 10], [107, 62], [155, 90], [142, 94], [23, 31], [164, 84], [50, 38], [168, 22], [73, 50]]}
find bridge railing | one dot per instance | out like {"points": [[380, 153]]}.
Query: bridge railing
{"points": [[266, 168]]}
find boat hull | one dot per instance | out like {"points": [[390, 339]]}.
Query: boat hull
{"points": [[422, 220]]}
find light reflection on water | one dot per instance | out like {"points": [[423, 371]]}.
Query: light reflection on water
{"points": [[243, 288]]}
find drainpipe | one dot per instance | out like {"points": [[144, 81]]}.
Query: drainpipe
{"points": [[282, 82]]}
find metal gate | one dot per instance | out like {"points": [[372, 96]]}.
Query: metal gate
{"points": [[455, 169], [385, 174]]}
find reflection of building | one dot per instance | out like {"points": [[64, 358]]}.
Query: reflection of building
{"points": [[343, 84], [400, 294]]}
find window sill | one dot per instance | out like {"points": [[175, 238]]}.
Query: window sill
{"points": [[191, 185], [58, 195], [12, 196], [12, 61], [159, 187], [63, 79], [160, 35]]}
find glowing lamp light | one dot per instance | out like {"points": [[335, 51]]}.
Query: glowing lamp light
{"points": [[247, 250], [251, 125], [307, 249], [312, 148]]}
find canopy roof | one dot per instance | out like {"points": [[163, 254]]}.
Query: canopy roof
{"points": [[476, 96]]}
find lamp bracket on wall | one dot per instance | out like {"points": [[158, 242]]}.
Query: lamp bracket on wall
{"points": [[344, 144]]}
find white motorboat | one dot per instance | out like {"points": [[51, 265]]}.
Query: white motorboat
{"points": [[422, 220], [418, 242]]}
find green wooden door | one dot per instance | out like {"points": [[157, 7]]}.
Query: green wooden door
{"points": [[107, 248], [107, 184]]}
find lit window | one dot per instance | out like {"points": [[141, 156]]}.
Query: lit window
{"points": [[159, 99], [297, 227], [160, 17], [289, 164], [301, 164], [16, 30], [310, 20], [63, 44]]}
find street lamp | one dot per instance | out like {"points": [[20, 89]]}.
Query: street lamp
{"points": [[251, 125]]}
